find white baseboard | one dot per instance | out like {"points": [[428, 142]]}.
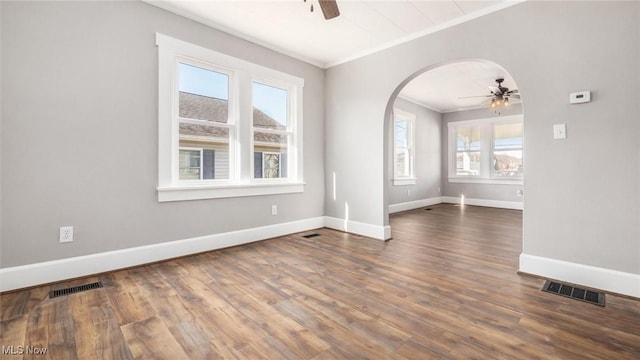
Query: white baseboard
{"points": [[410, 205], [23, 276], [590, 276], [364, 229], [483, 202]]}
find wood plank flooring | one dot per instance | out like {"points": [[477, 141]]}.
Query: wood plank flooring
{"points": [[445, 287]]}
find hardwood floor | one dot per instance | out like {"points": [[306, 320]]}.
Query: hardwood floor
{"points": [[445, 287]]}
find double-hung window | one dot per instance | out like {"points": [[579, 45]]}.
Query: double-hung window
{"points": [[403, 148], [486, 150], [205, 128], [227, 127], [272, 130], [468, 150], [507, 150]]}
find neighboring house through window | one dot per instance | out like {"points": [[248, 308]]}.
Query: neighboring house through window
{"points": [[403, 148], [228, 127], [197, 164], [486, 150]]}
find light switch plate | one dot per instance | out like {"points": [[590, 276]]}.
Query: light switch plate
{"points": [[560, 131]]}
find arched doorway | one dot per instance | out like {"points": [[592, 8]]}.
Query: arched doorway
{"points": [[455, 135]]}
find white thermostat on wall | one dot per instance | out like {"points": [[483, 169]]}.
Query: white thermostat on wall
{"points": [[580, 97]]}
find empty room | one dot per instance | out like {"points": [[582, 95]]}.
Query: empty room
{"points": [[320, 179]]}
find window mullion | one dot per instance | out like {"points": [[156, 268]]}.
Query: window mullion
{"points": [[272, 131], [204, 122], [486, 150], [411, 145], [452, 150], [201, 163], [244, 154]]}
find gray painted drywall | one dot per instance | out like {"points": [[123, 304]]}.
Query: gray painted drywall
{"points": [[1, 148], [427, 156], [469, 190], [80, 132], [582, 193]]}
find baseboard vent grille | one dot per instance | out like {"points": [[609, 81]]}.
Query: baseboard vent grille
{"points": [[309, 236], [75, 289], [574, 292]]}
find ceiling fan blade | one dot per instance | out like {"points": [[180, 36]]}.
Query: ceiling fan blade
{"points": [[329, 8], [514, 91], [495, 90], [515, 96], [479, 96]]}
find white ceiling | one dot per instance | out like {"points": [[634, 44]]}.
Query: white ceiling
{"points": [[363, 27]]}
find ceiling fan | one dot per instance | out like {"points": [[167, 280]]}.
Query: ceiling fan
{"points": [[329, 8], [499, 94]]}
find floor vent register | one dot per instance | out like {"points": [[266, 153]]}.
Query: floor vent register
{"points": [[309, 236], [574, 292], [75, 289]]}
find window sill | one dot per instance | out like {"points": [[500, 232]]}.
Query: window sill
{"points": [[485, 181], [404, 181], [200, 192]]}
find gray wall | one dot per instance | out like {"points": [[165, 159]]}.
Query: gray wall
{"points": [[475, 191], [427, 156], [80, 132], [79, 128], [1, 146], [582, 193]]}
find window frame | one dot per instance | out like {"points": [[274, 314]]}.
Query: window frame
{"points": [[231, 124], [486, 174], [288, 132], [482, 149], [171, 52], [493, 150], [410, 119]]}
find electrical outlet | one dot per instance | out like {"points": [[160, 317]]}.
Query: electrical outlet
{"points": [[274, 210], [66, 234]]}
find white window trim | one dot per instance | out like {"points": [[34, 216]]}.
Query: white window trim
{"points": [[231, 125], [485, 175], [404, 181], [475, 180], [410, 118], [241, 182]]}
